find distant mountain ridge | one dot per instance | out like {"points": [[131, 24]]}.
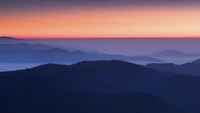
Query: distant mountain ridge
{"points": [[12, 40], [39, 53], [25, 46], [192, 68], [7, 38], [173, 53], [196, 61]]}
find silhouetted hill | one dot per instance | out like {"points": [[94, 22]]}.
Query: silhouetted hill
{"points": [[113, 77], [12, 40], [186, 69], [25, 46], [196, 61], [173, 53], [88, 87], [35, 54], [7, 38]]}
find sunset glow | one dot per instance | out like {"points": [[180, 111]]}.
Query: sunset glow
{"points": [[103, 22]]}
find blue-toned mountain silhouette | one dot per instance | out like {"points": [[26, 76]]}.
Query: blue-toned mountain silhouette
{"points": [[173, 53], [25, 46], [7, 38], [11, 40], [27, 53], [94, 87], [191, 68]]}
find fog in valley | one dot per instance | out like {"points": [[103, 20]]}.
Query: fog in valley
{"points": [[177, 51]]}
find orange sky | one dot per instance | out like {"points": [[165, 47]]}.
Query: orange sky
{"points": [[103, 22]]}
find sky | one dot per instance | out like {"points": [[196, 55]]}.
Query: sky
{"points": [[99, 18]]}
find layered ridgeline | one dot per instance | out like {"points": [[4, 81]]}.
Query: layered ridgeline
{"points": [[39, 53], [15, 50], [173, 53], [7, 38], [20, 46], [11, 40], [98, 87], [192, 68]]}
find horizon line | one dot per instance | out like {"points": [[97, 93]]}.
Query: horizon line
{"points": [[103, 37]]}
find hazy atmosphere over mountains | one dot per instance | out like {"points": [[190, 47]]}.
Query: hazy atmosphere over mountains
{"points": [[67, 51], [94, 82], [99, 56]]}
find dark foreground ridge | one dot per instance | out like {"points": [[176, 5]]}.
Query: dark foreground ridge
{"points": [[97, 87], [192, 68]]}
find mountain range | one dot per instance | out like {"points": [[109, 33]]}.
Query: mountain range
{"points": [[55, 84], [25, 46], [11, 40], [191, 68], [173, 53], [7, 38], [95, 82], [39, 53], [89, 86]]}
